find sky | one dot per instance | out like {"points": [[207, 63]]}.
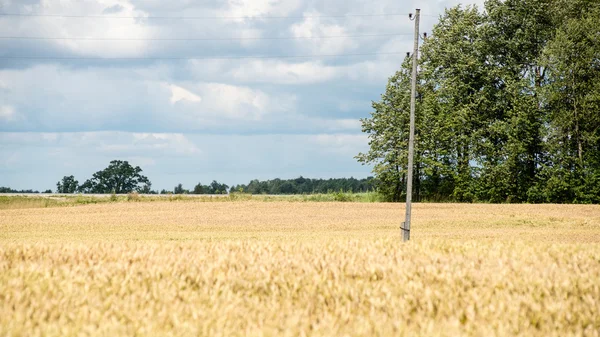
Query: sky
{"points": [[175, 86]]}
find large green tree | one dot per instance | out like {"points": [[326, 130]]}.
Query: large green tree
{"points": [[456, 74], [572, 95], [388, 130], [119, 177], [510, 147]]}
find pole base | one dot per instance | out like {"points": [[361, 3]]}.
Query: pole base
{"points": [[405, 232]]}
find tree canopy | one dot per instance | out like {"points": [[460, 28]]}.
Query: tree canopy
{"points": [[303, 185], [68, 184], [507, 109], [119, 177]]}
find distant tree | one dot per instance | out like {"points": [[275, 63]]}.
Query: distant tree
{"points": [[48, 191], [147, 189], [68, 184], [303, 185], [119, 177], [10, 190], [199, 189], [287, 188], [218, 188], [178, 189]]}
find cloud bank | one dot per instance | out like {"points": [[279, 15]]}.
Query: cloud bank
{"points": [[194, 108]]}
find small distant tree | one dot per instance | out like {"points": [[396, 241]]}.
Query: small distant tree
{"points": [[178, 189], [146, 189], [48, 191], [68, 184]]}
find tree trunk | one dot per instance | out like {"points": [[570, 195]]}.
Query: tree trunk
{"points": [[577, 133]]}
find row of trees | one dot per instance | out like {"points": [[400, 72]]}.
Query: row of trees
{"points": [[10, 190], [299, 185], [214, 188], [306, 186], [120, 177], [508, 107]]}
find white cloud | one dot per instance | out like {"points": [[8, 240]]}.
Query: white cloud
{"points": [[142, 145], [53, 98], [274, 71], [261, 7], [348, 124], [49, 137], [179, 94], [171, 142], [83, 28], [341, 144], [331, 125], [315, 27], [237, 102], [107, 143], [211, 119], [7, 113], [372, 71]]}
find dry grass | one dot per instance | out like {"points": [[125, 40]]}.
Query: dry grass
{"points": [[67, 200], [272, 269]]}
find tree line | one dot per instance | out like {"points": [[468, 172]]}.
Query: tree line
{"points": [[120, 177], [303, 185], [214, 188], [10, 190], [508, 107]]}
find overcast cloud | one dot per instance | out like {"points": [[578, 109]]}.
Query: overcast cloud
{"points": [[193, 120]]}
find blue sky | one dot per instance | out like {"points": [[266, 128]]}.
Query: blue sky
{"points": [[194, 120]]}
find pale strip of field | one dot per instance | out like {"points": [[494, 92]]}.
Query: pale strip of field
{"points": [[291, 268]]}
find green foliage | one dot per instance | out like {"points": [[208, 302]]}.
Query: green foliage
{"points": [[10, 190], [68, 185], [214, 188], [507, 107], [303, 185], [388, 135], [118, 178], [180, 190]]}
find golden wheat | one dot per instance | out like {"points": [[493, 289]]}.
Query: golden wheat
{"points": [[289, 269]]}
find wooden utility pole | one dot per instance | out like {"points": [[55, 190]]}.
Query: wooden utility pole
{"points": [[411, 139]]}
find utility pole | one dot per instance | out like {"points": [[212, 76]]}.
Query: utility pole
{"points": [[411, 139]]}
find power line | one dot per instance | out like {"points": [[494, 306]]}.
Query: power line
{"points": [[187, 58], [196, 39], [258, 17]]}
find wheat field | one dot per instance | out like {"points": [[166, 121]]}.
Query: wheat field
{"points": [[299, 269]]}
